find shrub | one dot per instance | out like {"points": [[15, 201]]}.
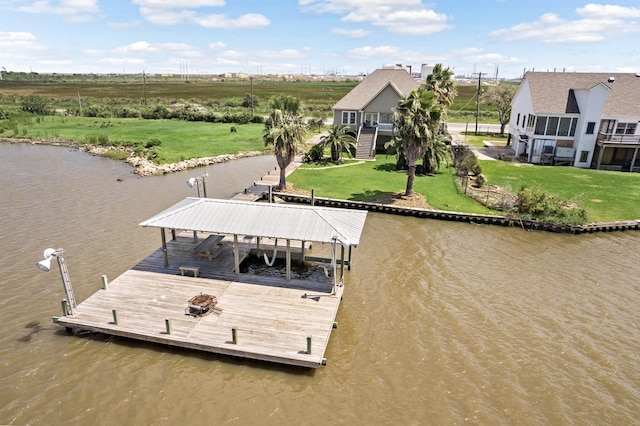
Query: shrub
{"points": [[534, 203], [35, 105], [314, 155]]}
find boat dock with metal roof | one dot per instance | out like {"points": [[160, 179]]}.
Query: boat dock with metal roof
{"points": [[285, 319]]}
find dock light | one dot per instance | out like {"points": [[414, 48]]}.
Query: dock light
{"points": [[196, 181], [45, 265]]}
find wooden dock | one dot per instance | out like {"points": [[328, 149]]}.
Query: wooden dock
{"points": [[269, 318]]}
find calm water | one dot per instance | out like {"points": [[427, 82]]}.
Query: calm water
{"points": [[442, 323]]}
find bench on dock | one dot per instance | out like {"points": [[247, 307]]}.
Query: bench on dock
{"points": [[193, 269], [210, 247]]}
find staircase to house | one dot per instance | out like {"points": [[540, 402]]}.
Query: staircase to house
{"points": [[367, 143]]}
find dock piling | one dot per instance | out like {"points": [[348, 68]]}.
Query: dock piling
{"points": [[234, 336], [167, 323], [65, 307], [115, 316], [309, 345], [105, 282]]}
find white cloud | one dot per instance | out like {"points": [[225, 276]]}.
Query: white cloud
{"points": [[608, 11], [281, 54], [173, 12], [122, 25], [145, 48], [122, 61], [247, 21], [350, 33], [178, 4], [396, 16], [598, 22], [20, 43], [75, 10], [217, 45]]}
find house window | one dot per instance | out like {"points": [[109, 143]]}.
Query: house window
{"points": [[348, 117], [626, 129], [590, 126], [565, 126], [583, 156], [541, 124], [552, 126], [518, 119], [524, 120]]}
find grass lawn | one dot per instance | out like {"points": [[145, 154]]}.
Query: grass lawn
{"points": [[606, 196], [378, 179], [181, 140]]}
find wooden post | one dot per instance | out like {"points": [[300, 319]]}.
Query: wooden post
{"points": [[236, 255], [65, 307], [303, 252], [167, 324], [270, 194], [349, 265], [313, 196], [309, 345], [105, 282], [234, 336], [288, 257], [173, 234], [164, 248], [342, 261], [115, 316]]}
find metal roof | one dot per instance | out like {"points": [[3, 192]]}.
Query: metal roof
{"points": [[284, 221]]}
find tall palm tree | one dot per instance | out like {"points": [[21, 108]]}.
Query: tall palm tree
{"points": [[284, 130], [416, 120], [440, 81], [338, 140]]}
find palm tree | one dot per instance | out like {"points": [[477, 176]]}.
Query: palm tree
{"points": [[416, 120], [284, 130], [441, 82], [338, 140], [436, 154]]}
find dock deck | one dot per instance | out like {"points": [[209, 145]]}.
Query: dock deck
{"points": [[272, 317]]}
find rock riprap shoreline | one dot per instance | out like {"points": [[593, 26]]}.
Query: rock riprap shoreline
{"points": [[141, 166]]}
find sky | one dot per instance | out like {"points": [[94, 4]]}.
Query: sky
{"points": [[344, 37]]}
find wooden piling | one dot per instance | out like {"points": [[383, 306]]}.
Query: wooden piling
{"points": [[167, 324], [309, 345], [105, 282], [115, 316], [234, 336]]}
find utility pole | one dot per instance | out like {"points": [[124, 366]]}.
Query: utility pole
{"points": [[478, 100], [144, 86]]}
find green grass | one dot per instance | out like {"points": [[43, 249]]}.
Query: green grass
{"points": [[376, 180], [181, 140], [606, 196]]}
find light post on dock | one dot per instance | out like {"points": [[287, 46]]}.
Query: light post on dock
{"points": [[196, 181], [45, 265]]}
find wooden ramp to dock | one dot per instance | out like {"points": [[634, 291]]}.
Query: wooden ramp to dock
{"points": [[272, 317]]}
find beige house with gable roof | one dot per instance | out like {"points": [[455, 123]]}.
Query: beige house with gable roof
{"points": [[368, 108], [579, 119]]}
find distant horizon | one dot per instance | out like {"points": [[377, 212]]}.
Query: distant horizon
{"points": [[316, 37]]}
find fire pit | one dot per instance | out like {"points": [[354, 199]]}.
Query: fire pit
{"points": [[201, 304]]}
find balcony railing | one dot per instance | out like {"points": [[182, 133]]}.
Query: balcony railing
{"points": [[616, 138]]}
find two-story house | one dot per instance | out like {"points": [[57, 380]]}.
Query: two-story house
{"points": [[368, 108], [580, 119]]}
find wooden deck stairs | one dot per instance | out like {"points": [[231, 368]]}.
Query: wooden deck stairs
{"points": [[366, 149]]}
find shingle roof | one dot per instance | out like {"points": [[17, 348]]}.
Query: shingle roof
{"points": [[284, 221], [552, 92], [370, 87]]}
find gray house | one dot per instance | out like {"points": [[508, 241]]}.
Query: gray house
{"points": [[579, 119], [368, 108]]}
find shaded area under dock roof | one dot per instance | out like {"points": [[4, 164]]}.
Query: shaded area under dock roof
{"points": [[284, 221]]}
